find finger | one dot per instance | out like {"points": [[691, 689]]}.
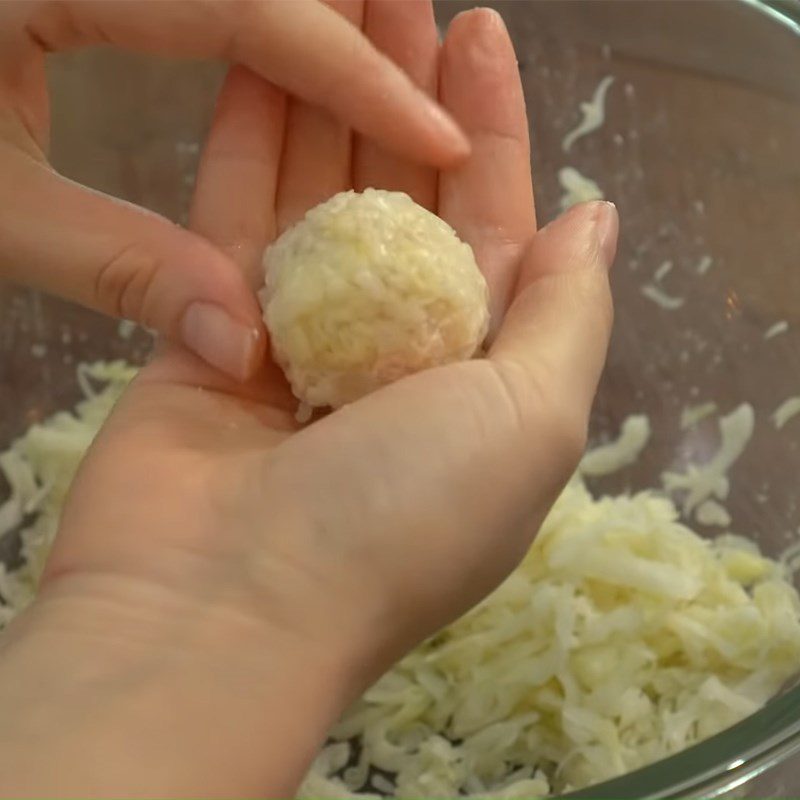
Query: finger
{"points": [[234, 199], [234, 207], [301, 46], [316, 157], [405, 30], [127, 262], [489, 198], [552, 345]]}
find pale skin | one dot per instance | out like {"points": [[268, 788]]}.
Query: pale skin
{"points": [[116, 258], [224, 583]]}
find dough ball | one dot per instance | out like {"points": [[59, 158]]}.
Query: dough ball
{"points": [[367, 288]]}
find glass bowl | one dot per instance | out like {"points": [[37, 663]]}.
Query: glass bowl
{"points": [[699, 150]]}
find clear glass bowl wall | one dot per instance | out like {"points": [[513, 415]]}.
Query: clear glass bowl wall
{"points": [[699, 151]]}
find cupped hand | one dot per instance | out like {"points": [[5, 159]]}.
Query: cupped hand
{"points": [[267, 573], [119, 259]]}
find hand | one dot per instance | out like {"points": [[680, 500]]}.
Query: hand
{"points": [[223, 583], [124, 261]]}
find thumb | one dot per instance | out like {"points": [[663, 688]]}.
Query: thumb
{"points": [[552, 345], [125, 261]]}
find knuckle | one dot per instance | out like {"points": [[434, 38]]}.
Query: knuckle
{"points": [[123, 283]]}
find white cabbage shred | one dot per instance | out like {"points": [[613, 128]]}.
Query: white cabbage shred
{"points": [[663, 270], [704, 265], [593, 114], [711, 512], [691, 415], [622, 637], [39, 467], [788, 409], [666, 301], [577, 188], [775, 330], [622, 452], [702, 481], [126, 329]]}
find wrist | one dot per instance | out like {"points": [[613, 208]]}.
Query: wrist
{"points": [[133, 692]]}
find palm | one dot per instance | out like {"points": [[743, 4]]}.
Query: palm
{"points": [[188, 465]]}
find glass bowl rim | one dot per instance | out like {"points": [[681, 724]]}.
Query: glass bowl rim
{"points": [[766, 738]]}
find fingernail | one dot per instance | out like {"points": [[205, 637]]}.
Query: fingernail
{"points": [[211, 333], [606, 221], [489, 19]]}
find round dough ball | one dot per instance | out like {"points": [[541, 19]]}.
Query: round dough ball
{"points": [[369, 287]]}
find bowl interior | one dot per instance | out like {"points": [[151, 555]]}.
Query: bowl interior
{"points": [[699, 152]]}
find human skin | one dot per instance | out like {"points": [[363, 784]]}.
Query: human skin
{"points": [[124, 261], [224, 582]]}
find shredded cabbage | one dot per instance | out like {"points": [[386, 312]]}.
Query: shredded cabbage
{"points": [[691, 415], [701, 482], [788, 409], [704, 265], [775, 330], [622, 452], [710, 512], [593, 114], [622, 637], [577, 188], [39, 467], [664, 269], [661, 298]]}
